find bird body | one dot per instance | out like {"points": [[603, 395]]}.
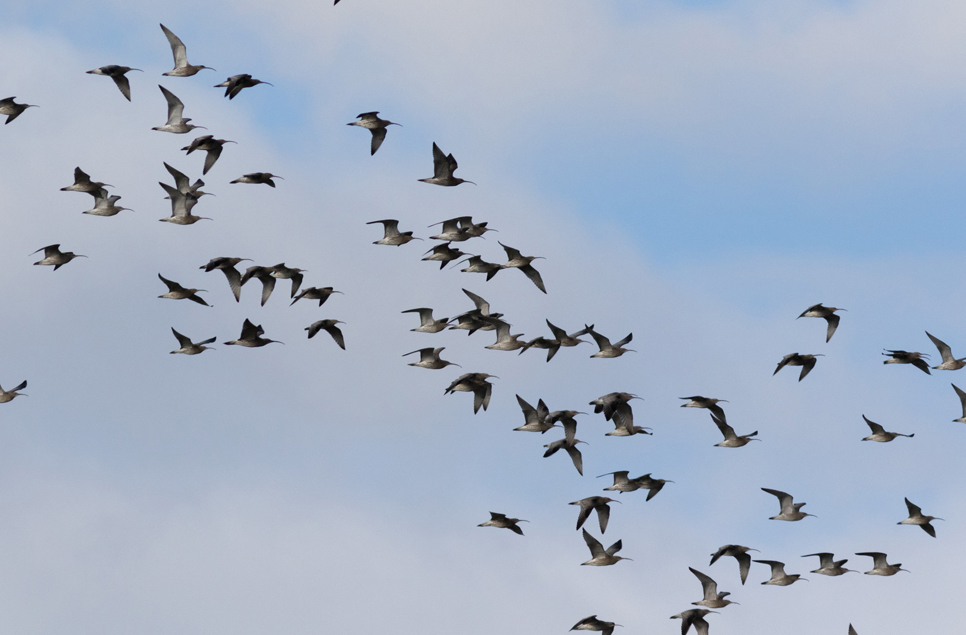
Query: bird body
{"points": [[593, 624], [443, 254], [709, 588], [905, 357], [516, 260], [315, 293], [501, 521], [443, 168], [55, 257], [732, 440], [570, 447], [879, 564], [826, 312], [608, 350], [591, 504], [790, 511], [695, 618], [949, 362], [187, 347], [12, 109], [181, 66], [263, 274], [426, 322], [258, 178], [710, 403], [505, 341], [739, 553], [828, 565], [105, 206], [117, 73], [281, 272], [535, 419], [879, 433], [371, 122], [227, 266], [83, 183], [211, 146]]}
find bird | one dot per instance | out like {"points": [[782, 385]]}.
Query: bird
{"points": [[916, 518], [443, 168], [329, 326], [879, 434], [828, 565], [732, 440], [505, 341], [12, 109], [712, 599], [778, 575], [54, 256], [904, 357], [184, 185], [827, 312], [560, 339], [9, 395], [653, 485], [181, 206], [710, 403], [227, 267], [739, 553], [616, 406], [459, 229], [177, 123], [949, 362], [601, 557], [566, 419], [593, 624], [501, 521], [429, 358], [693, 617], [570, 446], [105, 206], [443, 254], [116, 73], [281, 272], [789, 511], [83, 183], [391, 234], [879, 564], [426, 322], [181, 66], [210, 145], [234, 84], [624, 484], [535, 419], [371, 122], [258, 178], [608, 350], [188, 347], [594, 504], [316, 293], [478, 265], [516, 260], [251, 336], [264, 274], [177, 292], [477, 384], [807, 362], [962, 401]]}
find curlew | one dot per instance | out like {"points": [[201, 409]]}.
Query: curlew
{"points": [[9, 395], [807, 362], [177, 292], [187, 347], [477, 384], [443, 254], [83, 183], [778, 575], [227, 266], [949, 362], [505, 341], [251, 336], [211, 146], [478, 265], [329, 326], [264, 274], [181, 206], [601, 557], [106, 206], [516, 260], [739, 553], [695, 618], [55, 257], [962, 402], [429, 358], [916, 517], [535, 419], [827, 565], [315, 293], [181, 66], [616, 406], [790, 511], [608, 350], [258, 178], [879, 433], [443, 168], [502, 522], [732, 440], [879, 564], [177, 123], [593, 624], [826, 312], [371, 122], [710, 403], [234, 84], [391, 234], [117, 73], [12, 109], [281, 272], [570, 447], [905, 357], [426, 322], [594, 504], [709, 588]]}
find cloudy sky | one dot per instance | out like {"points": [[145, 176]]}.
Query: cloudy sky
{"points": [[695, 172]]}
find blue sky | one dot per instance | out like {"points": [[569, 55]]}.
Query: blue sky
{"points": [[695, 173]]}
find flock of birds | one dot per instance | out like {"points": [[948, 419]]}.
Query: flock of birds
{"points": [[616, 406]]}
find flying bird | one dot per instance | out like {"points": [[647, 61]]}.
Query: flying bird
{"points": [[264, 274], [949, 362], [281, 272], [904, 357], [962, 401], [251, 337], [695, 618], [601, 557], [429, 358], [227, 267], [443, 254], [443, 168], [807, 362], [826, 312], [391, 234], [732, 440], [778, 575], [593, 624], [790, 511], [426, 322], [827, 565], [570, 447], [54, 256], [83, 183], [208, 144], [116, 73], [177, 292], [7, 396], [475, 383], [516, 260], [329, 326], [879, 564], [12, 109], [739, 553], [258, 178], [709, 588], [917, 518], [710, 403], [181, 66], [879, 434], [535, 419], [502, 522], [106, 206], [608, 350], [234, 84], [316, 293], [187, 347], [594, 504], [177, 123], [371, 122]]}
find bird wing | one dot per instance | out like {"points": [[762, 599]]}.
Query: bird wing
{"points": [[603, 515], [700, 625], [744, 565], [178, 50], [213, 155], [249, 330], [782, 363], [914, 510], [852, 630], [123, 85], [479, 395], [833, 323], [709, 586], [602, 342], [785, 500], [558, 333], [944, 350], [926, 527], [718, 411], [440, 163], [481, 305], [653, 491], [962, 397], [172, 286], [268, 285], [585, 509], [529, 412], [921, 365], [807, 367], [878, 558], [614, 548], [596, 549], [534, 276], [570, 428], [875, 427], [81, 177], [184, 341], [824, 558], [727, 431], [336, 334], [511, 253], [777, 568], [194, 297], [378, 136], [626, 340], [576, 457], [234, 281], [180, 179], [51, 250], [175, 106]]}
